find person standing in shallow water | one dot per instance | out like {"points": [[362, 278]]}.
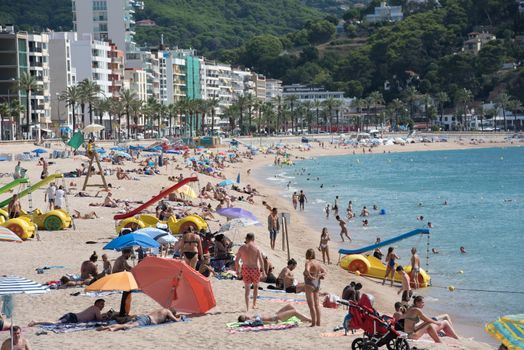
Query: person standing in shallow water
{"points": [[390, 265], [302, 199], [323, 246], [294, 200]]}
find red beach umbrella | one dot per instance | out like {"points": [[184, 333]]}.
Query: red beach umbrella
{"points": [[173, 283]]}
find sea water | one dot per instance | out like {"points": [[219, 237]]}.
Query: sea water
{"points": [[484, 192]]}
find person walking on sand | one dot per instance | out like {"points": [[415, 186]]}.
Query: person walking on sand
{"points": [[302, 199], [390, 267], [14, 208], [252, 267], [59, 197], [273, 226], [294, 200], [343, 228], [415, 266], [313, 273], [406, 291], [323, 247]]}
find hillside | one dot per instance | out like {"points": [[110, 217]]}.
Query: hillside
{"points": [[207, 25]]}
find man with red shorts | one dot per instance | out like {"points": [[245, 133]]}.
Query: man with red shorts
{"points": [[252, 267]]}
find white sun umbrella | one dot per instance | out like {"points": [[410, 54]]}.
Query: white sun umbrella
{"points": [[93, 128], [236, 224], [10, 285]]}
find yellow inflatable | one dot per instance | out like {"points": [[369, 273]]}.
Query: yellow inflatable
{"points": [[53, 220], [22, 226], [368, 265], [175, 226]]}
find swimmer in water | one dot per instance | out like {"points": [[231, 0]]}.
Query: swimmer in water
{"points": [[288, 184], [430, 225], [365, 223], [435, 251], [326, 210], [445, 202], [322, 186], [463, 250]]}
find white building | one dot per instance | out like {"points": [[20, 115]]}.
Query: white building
{"points": [[39, 68], [92, 60], [385, 13], [216, 82], [273, 89], [260, 86], [310, 93], [62, 75], [107, 20], [150, 62], [241, 82], [136, 81]]}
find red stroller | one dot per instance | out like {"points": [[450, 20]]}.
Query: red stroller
{"points": [[378, 330]]}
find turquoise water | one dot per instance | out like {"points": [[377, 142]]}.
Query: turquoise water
{"points": [[484, 189]]}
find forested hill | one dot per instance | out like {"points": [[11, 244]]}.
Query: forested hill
{"points": [[207, 25]]}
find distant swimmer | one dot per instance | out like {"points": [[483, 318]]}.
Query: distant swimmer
{"points": [[326, 210], [430, 225], [335, 205], [445, 202], [435, 251], [365, 223], [420, 218], [463, 250], [375, 207], [322, 186], [364, 212], [420, 204], [343, 228], [288, 184]]}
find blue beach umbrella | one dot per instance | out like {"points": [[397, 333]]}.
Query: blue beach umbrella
{"points": [[117, 149], [509, 330], [100, 150], [237, 213], [225, 183], [131, 240], [39, 150], [158, 235], [122, 154]]}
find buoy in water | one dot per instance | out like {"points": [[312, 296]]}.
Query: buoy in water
{"points": [[382, 211], [451, 288]]}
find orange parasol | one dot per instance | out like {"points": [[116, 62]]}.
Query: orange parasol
{"points": [[122, 281], [173, 283]]}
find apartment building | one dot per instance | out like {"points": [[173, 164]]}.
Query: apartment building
{"points": [[38, 54], [216, 82], [62, 75], [136, 81], [273, 89], [260, 86], [107, 20], [116, 65]]}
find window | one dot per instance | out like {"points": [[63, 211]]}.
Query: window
{"points": [[99, 5]]}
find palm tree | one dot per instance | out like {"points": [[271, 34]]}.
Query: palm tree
{"points": [[291, 101], [127, 97], [89, 90], [278, 102], [250, 102], [308, 106], [427, 100], [136, 108], [441, 98], [5, 112], [330, 104], [268, 111], [72, 98], [316, 105], [411, 95], [115, 108], [462, 99], [241, 102], [515, 106], [230, 113], [172, 110], [501, 102], [396, 107], [29, 84], [359, 104], [212, 104], [255, 105], [375, 99]]}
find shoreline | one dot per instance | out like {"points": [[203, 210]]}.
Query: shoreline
{"points": [[466, 326], [68, 248]]}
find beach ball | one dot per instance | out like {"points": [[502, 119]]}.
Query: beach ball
{"points": [[451, 288]]}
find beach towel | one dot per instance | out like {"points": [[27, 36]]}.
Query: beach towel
{"points": [[281, 300], [74, 327], [238, 327], [99, 294], [226, 276], [280, 291]]}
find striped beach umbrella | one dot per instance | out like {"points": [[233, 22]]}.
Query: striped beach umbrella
{"points": [[6, 235], [10, 285], [509, 330]]}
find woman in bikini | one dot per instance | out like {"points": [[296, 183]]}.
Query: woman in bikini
{"points": [[415, 330], [323, 247], [390, 267], [313, 272], [191, 246]]}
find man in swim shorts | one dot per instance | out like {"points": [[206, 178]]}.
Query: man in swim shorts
{"points": [[406, 291], [415, 266], [273, 226], [156, 317], [252, 267], [92, 313]]}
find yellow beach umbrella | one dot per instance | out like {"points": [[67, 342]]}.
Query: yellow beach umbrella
{"points": [[509, 330], [120, 281], [187, 192]]}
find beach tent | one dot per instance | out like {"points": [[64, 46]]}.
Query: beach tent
{"points": [[173, 283]]}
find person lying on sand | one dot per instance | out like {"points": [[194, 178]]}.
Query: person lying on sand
{"points": [[108, 202], [90, 215], [156, 317], [92, 313], [283, 314]]}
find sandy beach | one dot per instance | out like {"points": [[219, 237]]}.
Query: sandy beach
{"points": [[68, 248]]}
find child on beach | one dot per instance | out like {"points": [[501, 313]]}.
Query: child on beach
{"points": [[343, 228], [323, 247]]}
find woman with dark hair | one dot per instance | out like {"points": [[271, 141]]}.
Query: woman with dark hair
{"points": [[390, 265], [415, 330], [191, 247]]}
